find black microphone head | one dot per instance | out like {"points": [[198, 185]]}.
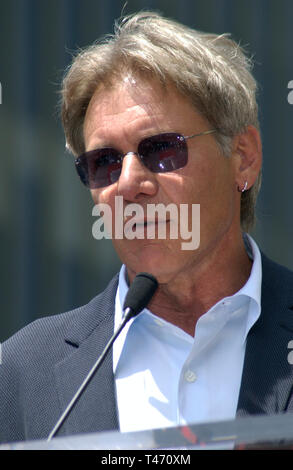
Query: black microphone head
{"points": [[140, 292]]}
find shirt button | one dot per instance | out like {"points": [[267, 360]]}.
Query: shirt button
{"points": [[190, 376]]}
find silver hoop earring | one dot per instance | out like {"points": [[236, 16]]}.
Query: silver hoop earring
{"points": [[244, 187]]}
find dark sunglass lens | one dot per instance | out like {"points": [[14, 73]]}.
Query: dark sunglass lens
{"points": [[99, 168], [164, 152]]}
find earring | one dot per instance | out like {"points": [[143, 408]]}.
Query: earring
{"points": [[244, 188]]}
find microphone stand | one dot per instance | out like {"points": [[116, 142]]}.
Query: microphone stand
{"points": [[128, 314]]}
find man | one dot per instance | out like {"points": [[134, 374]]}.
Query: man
{"points": [[162, 114]]}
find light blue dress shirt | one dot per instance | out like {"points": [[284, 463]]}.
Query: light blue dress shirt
{"points": [[165, 377]]}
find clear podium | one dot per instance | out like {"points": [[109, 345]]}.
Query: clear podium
{"points": [[252, 432]]}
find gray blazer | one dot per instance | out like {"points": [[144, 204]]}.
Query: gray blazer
{"points": [[45, 362]]}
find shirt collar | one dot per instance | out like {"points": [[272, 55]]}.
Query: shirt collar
{"points": [[251, 290]]}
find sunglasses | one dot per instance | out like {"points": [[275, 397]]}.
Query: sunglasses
{"points": [[159, 153]]}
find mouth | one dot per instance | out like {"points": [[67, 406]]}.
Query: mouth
{"points": [[144, 227], [146, 222]]}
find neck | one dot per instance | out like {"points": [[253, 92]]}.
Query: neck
{"points": [[193, 291]]}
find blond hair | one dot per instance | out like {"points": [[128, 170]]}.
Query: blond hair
{"points": [[211, 70]]}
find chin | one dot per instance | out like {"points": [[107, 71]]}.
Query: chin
{"points": [[153, 261]]}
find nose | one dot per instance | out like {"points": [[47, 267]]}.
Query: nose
{"points": [[135, 180]]}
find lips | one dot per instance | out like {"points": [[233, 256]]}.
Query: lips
{"points": [[140, 227], [145, 222]]}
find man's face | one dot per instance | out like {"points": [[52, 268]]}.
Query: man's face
{"points": [[120, 118]]}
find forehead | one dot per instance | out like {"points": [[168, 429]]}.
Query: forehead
{"points": [[137, 105], [126, 97]]}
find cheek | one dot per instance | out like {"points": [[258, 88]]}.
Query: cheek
{"points": [[210, 183], [104, 200], [104, 195], [212, 178]]}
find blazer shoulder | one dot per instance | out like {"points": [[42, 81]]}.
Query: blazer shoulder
{"points": [[275, 274], [277, 292], [48, 333], [30, 358]]}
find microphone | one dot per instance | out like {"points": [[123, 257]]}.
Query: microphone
{"points": [[138, 296]]}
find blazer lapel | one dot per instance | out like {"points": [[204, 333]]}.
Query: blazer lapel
{"points": [[96, 408], [267, 374]]}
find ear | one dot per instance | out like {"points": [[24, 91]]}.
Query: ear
{"points": [[247, 151]]}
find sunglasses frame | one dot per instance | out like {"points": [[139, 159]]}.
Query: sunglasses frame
{"points": [[122, 156]]}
